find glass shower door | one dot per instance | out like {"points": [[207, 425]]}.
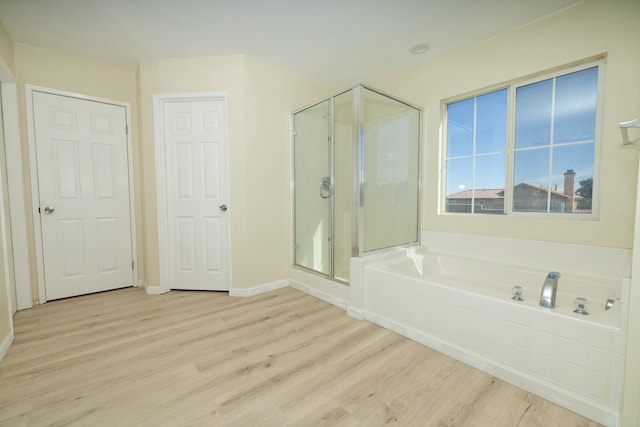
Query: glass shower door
{"points": [[313, 188]]}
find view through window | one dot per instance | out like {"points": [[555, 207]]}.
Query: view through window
{"points": [[552, 147]]}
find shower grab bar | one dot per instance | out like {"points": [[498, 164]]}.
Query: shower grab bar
{"points": [[325, 187]]}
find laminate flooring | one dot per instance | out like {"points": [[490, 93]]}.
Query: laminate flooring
{"points": [[283, 358]]}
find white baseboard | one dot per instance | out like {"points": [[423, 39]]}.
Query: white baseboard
{"points": [[319, 294], [241, 292], [5, 344], [590, 409], [260, 289], [356, 313], [152, 290]]}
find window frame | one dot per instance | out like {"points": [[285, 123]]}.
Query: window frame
{"points": [[511, 87], [474, 156]]}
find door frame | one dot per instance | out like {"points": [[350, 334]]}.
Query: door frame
{"points": [[35, 190], [16, 189], [21, 283], [159, 101]]}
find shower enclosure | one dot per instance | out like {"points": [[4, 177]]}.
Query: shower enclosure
{"points": [[355, 179]]}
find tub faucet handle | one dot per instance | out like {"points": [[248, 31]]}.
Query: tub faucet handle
{"points": [[609, 304], [517, 293]]}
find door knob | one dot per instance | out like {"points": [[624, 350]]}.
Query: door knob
{"points": [[49, 210], [223, 208]]}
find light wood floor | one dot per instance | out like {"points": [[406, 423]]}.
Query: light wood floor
{"points": [[124, 358]]}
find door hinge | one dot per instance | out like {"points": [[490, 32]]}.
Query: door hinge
{"points": [[126, 129], [39, 209], [132, 264]]}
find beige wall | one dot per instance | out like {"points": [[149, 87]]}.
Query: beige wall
{"points": [[182, 76], [6, 49], [5, 311], [271, 95], [6, 74], [589, 29], [63, 72], [261, 98]]}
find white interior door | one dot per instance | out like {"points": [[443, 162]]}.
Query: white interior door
{"points": [[83, 180], [196, 161]]}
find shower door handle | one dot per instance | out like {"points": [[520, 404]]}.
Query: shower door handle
{"points": [[325, 187]]}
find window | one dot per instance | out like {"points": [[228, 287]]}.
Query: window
{"points": [[551, 147], [476, 147], [555, 128]]}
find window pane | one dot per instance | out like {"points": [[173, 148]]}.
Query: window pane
{"points": [[491, 122], [533, 114], [459, 185], [490, 172], [531, 176], [575, 113], [572, 176], [489, 184], [460, 128]]}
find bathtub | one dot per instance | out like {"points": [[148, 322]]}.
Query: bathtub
{"points": [[464, 307]]}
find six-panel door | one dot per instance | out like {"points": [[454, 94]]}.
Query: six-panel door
{"points": [[195, 144], [83, 181]]}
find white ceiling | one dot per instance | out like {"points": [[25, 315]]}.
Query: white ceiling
{"points": [[336, 42]]}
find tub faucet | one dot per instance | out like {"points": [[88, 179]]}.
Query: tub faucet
{"points": [[548, 294]]}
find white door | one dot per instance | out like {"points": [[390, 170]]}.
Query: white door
{"points": [[196, 161], [83, 180]]}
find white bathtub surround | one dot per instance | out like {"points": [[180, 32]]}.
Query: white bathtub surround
{"points": [[356, 307], [461, 305], [573, 360], [563, 257]]}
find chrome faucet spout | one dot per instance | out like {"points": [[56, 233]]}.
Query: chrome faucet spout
{"points": [[549, 289]]}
